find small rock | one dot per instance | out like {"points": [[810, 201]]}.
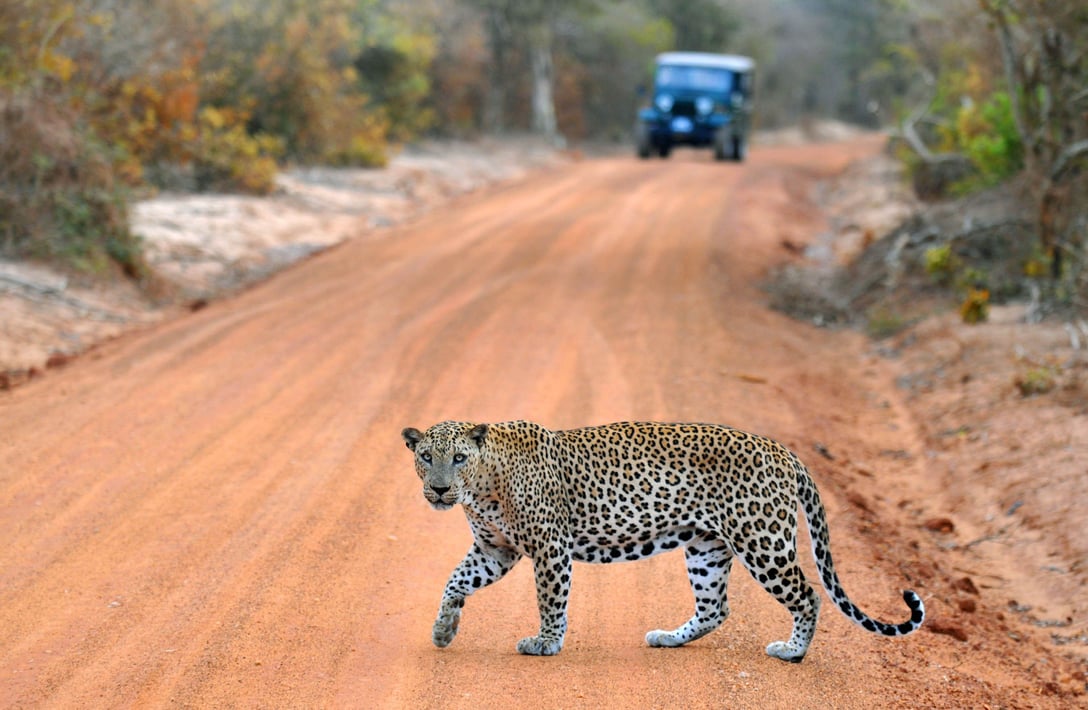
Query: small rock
{"points": [[942, 525], [57, 359], [948, 628], [966, 585], [858, 501]]}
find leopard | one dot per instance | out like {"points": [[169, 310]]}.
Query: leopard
{"points": [[624, 492]]}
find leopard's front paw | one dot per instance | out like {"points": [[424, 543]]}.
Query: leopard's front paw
{"points": [[660, 638], [786, 652], [445, 627], [539, 646]]}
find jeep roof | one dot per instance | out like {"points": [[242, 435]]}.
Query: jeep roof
{"points": [[732, 62]]}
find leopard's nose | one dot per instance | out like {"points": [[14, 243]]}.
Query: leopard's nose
{"points": [[440, 490]]}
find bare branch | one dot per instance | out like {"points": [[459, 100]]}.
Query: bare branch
{"points": [[910, 134], [1068, 157]]}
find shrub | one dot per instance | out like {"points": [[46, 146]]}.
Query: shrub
{"points": [[59, 199], [881, 322], [364, 145], [986, 133], [976, 306], [226, 157], [1036, 380], [99, 98], [941, 263]]}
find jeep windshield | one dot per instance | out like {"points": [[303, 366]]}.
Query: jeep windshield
{"points": [[702, 79]]}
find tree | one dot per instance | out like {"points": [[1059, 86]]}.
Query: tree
{"points": [[541, 33], [606, 58], [528, 25], [500, 36], [861, 37], [699, 25], [1046, 71]]}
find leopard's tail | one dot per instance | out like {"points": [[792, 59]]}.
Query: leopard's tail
{"points": [[821, 550]]}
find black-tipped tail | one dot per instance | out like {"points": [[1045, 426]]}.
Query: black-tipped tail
{"points": [[917, 613], [917, 616], [821, 550]]}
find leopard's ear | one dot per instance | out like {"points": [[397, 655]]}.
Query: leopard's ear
{"points": [[478, 433], [411, 437]]}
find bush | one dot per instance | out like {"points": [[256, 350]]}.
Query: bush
{"points": [[291, 69], [1039, 379], [986, 133], [882, 322], [99, 98], [59, 199], [975, 307], [941, 263], [226, 157]]}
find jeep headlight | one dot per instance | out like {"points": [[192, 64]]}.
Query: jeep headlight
{"points": [[704, 105], [664, 102]]}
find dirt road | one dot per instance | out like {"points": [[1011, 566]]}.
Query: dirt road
{"points": [[219, 512]]}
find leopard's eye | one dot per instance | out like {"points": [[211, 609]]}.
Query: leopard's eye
{"points": [[459, 458], [426, 456]]}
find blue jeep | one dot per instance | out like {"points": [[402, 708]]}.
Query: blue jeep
{"points": [[701, 100]]}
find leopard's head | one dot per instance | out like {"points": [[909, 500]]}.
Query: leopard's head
{"points": [[447, 455]]}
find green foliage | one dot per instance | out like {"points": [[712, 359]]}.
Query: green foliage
{"points": [[366, 146], [698, 25], [1037, 379], [90, 231], [975, 307], [97, 97], [59, 199], [986, 133], [969, 277], [289, 67], [941, 263], [615, 51], [881, 322], [225, 156], [393, 74], [970, 111], [1038, 264]]}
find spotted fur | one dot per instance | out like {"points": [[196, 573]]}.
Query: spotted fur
{"points": [[628, 491]]}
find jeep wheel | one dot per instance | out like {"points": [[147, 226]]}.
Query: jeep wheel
{"points": [[664, 150], [722, 145], [739, 149], [643, 143], [719, 150]]}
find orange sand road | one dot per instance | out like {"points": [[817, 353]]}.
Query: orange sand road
{"points": [[219, 512]]}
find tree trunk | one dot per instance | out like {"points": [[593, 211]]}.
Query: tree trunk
{"points": [[499, 39], [540, 58]]}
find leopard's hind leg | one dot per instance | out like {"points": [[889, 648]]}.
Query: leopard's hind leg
{"points": [[709, 561], [787, 584]]}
